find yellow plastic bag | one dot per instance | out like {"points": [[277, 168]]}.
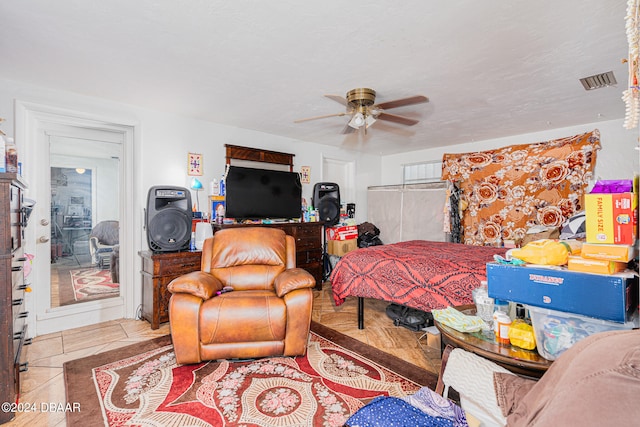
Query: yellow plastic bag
{"points": [[521, 335], [547, 251]]}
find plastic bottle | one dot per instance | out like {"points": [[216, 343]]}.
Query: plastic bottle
{"points": [[3, 152], [214, 188], [499, 306], [484, 304], [220, 212], [11, 156], [223, 187], [503, 323]]}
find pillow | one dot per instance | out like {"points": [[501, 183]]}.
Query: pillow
{"points": [[575, 227]]}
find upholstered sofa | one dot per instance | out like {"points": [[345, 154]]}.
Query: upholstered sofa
{"points": [[594, 383], [268, 312]]}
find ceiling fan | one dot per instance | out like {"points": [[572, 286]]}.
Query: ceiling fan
{"points": [[360, 105]]}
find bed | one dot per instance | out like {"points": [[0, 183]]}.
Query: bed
{"points": [[418, 273]]}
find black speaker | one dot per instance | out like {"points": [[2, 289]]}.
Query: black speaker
{"points": [[326, 199], [168, 219]]}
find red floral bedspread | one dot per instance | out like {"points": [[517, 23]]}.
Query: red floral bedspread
{"points": [[418, 273]]}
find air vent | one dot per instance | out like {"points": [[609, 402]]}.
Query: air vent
{"points": [[598, 81]]}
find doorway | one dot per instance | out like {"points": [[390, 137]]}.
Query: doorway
{"points": [[342, 173], [84, 223], [80, 277]]}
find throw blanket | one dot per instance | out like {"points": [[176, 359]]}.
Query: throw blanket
{"points": [[418, 273], [513, 188]]}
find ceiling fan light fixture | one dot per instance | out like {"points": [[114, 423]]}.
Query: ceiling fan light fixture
{"points": [[357, 120], [370, 120], [360, 105]]}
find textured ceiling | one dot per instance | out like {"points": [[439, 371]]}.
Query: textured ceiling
{"points": [[490, 68]]}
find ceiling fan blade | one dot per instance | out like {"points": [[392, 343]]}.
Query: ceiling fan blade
{"points": [[348, 129], [418, 99], [340, 99], [321, 117], [397, 119]]}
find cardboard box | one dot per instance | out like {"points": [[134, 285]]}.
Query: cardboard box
{"points": [[557, 331], [608, 297], [620, 253], [217, 206], [345, 232], [598, 266], [611, 218], [432, 334], [341, 247]]}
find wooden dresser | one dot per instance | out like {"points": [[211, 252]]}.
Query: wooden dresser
{"points": [[308, 237], [158, 269], [13, 328]]}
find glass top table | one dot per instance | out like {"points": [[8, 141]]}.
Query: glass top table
{"points": [[518, 360]]}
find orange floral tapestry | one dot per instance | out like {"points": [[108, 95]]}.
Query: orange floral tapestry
{"points": [[511, 189]]}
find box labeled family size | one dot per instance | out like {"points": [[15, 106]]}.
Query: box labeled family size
{"points": [[611, 218], [608, 297]]}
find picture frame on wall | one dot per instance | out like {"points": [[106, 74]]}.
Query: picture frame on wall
{"points": [[75, 210], [194, 164], [305, 174]]}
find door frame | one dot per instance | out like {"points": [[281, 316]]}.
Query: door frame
{"points": [[33, 122]]}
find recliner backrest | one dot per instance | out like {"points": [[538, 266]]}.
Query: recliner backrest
{"points": [[246, 257], [107, 232]]}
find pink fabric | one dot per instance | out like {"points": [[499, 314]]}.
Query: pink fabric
{"points": [[420, 274]]}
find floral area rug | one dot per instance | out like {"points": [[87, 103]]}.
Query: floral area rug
{"points": [[143, 385], [93, 283]]}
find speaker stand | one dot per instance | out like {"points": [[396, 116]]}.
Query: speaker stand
{"points": [[326, 264]]}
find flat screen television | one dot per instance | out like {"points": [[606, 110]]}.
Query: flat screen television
{"points": [[261, 193]]}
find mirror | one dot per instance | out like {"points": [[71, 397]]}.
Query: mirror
{"points": [[84, 221]]}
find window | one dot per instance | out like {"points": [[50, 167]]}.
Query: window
{"points": [[422, 172]]}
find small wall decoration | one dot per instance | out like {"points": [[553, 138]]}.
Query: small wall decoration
{"points": [[194, 164], [305, 174]]}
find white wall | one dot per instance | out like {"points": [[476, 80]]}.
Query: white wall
{"points": [[162, 142], [618, 158]]}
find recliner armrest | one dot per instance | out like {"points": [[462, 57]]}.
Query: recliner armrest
{"points": [[292, 279], [197, 283]]}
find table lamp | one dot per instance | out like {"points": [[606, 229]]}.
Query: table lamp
{"points": [[197, 186]]}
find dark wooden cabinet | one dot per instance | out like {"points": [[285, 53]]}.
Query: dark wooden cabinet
{"points": [[13, 327], [158, 269], [308, 237]]}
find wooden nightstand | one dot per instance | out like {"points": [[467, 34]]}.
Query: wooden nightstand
{"points": [[158, 269]]}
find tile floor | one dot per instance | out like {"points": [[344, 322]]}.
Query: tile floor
{"points": [[44, 381]]}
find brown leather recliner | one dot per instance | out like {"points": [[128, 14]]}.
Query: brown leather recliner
{"points": [[268, 313]]}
